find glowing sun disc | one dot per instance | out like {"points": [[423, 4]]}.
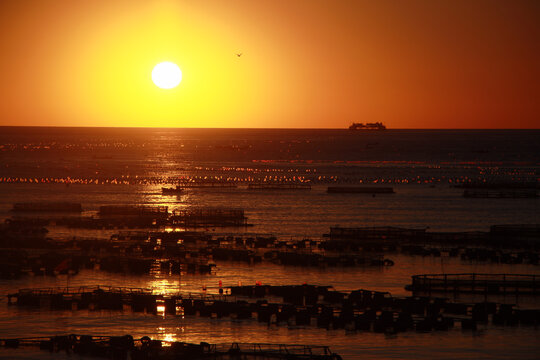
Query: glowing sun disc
{"points": [[166, 75]]}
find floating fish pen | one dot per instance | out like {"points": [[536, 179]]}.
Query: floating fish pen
{"points": [[516, 231], [168, 238], [500, 185], [290, 258], [85, 297], [359, 190], [501, 194], [97, 297], [498, 256], [207, 184], [516, 235], [47, 207], [134, 210], [172, 191], [126, 347], [208, 217], [279, 186], [243, 255], [506, 236], [114, 222], [376, 234], [476, 283], [284, 291], [145, 266], [131, 235], [461, 237], [301, 305]]}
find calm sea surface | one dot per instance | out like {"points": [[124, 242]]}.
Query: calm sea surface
{"points": [[96, 166]]}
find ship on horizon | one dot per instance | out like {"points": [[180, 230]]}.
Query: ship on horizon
{"points": [[367, 126]]}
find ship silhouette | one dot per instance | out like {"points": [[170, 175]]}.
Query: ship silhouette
{"points": [[367, 126]]}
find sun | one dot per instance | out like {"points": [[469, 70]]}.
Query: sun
{"points": [[166, 75]]}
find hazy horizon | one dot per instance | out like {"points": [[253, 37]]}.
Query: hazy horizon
{"points": [[266, 64]]}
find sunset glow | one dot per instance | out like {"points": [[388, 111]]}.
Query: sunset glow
{"points": [[303, 64], [166, 75], [256, 179]]}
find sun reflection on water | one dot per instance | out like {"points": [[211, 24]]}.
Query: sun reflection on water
{"points": [[165, 286], [168, 337]]}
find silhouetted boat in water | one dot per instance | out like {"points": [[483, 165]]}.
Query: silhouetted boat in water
{"points": [[367, 126]]}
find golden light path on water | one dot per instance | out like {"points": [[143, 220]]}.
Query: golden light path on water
{"points": [[423, 197]]}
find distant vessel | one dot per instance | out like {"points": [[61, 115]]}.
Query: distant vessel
{"points": [[367, 126]]}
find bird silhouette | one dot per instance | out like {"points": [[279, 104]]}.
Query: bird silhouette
{"points": [[239, 54]]}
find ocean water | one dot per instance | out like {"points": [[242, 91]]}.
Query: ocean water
{"points": [[104, 166]]}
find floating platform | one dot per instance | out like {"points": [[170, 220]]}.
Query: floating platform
{"points": [[126, 347], [172, 191], [476, 283], [208, 217], [359, 190], [302, 305], [512, 236], [379, 234], [500, 185], [134, 210], [501, 194], [516, 232], [207, 184], [47, 207]]}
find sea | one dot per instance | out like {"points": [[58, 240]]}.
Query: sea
{"points": [[129, 166]]}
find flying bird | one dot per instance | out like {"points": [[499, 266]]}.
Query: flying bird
{"points": [[240, 54]]}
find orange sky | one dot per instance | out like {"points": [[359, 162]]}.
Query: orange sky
{"points": [[305, 63]]}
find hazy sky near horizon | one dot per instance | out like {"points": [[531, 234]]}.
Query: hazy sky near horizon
{"points": [[304, 63]]}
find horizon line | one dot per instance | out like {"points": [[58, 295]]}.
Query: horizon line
{"points": [[248, 128]]}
